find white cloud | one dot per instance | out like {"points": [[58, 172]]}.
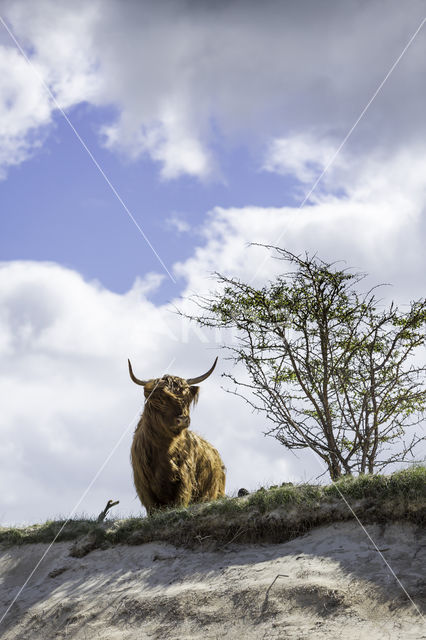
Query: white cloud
{"points": [[301, 156], [60, 57], [168, 140], [24, 110], [376, 226], [58, 40], [179, 73]]}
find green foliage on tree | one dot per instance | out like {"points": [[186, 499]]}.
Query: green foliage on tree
{"points": [[332, 368]]}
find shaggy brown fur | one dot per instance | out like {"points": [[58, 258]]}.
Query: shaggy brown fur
{"points": [[172, 465]]}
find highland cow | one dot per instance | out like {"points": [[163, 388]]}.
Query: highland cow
{"points": [[172, 465]]}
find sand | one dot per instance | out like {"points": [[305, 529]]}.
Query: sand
{"points": [[329, 583]]}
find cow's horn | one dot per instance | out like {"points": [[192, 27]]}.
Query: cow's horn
{"points": [[203, 377], [134, 378]]}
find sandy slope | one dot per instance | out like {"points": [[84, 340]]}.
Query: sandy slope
{"points": [[331, 583]]}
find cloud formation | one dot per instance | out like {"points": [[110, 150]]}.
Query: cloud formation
{"points": [[178, 73]]}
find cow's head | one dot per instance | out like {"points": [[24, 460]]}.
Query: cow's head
{"points": [[171, 396]]}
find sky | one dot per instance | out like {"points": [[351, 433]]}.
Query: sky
{"points": [[143, 147]]}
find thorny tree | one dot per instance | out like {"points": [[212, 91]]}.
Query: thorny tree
{"points": [[331, 368]]}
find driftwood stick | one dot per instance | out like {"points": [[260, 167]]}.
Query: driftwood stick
{"points": [[109, 505], [266, 600]]}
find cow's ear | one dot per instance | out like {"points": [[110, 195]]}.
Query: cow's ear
{"points": [[194, 393]]}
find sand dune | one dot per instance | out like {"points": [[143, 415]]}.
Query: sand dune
{"points": [[329, 583]]}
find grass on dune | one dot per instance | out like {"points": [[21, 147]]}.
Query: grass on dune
{"points": [[267, 515]]}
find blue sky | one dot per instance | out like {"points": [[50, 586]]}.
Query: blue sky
{"points": [[212, 122], [58, 207]]}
